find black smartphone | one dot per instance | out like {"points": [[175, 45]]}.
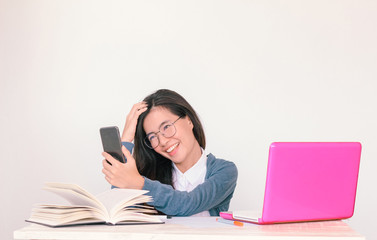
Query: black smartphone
{"points": [[111, 142]]}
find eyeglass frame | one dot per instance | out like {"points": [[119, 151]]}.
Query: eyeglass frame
{"points": [[146, 140]]}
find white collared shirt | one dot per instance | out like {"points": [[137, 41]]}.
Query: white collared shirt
{"points": [[191, 178]]}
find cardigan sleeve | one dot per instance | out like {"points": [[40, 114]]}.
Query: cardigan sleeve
{"points": [[216, 189], [129, 146]]}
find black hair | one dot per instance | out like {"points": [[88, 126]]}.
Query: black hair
{"points": [[149, 163]]}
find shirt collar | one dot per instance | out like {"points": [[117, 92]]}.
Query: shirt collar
{"points": [[195, 172]]}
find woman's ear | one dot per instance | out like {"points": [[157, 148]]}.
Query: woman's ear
{"points": [[189, 122]]}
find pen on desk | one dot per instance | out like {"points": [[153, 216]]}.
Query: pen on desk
{"points": [[237, 223]]}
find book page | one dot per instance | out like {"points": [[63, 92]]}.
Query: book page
{"points": [[76, 195], [73, 187], [117, 198]]}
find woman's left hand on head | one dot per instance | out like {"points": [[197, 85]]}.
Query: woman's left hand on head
{"points": [[122, 175]]}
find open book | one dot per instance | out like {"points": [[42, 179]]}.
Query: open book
{"points": [[115, 206]]}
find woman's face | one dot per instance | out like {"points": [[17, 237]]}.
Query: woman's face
{"points": [[178, 147]]}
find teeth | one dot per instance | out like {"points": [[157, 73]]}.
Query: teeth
{"points": [[172, 148]]}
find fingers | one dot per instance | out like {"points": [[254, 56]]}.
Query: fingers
{"points": [[136, 110], [110, 171], [123, 175], [139, 108], [131, 121], [108, 175], [106, 171], [109, 158], [127, 154], [110, 178]]}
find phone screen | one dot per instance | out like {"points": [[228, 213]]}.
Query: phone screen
{"points": [[111, 142]]}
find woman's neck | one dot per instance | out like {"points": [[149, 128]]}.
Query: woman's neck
{"points": [[191, 159]]}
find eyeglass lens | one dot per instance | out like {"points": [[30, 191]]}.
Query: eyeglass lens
{"points": [[167, 130]]}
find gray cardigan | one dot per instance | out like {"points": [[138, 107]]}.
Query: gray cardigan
{"points": [[213, 195]]}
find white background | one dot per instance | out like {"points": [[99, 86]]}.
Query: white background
{"points": [[255, 71]]}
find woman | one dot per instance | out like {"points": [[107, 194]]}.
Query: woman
{"points": [[169, 159]]}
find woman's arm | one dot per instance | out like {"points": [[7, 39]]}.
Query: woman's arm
{"points": [[215, 191], [218, 187], [129, 146]]}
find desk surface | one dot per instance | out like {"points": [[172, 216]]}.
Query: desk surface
{"points": [[183, 228]]}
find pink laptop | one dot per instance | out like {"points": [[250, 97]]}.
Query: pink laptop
{"points": [[308, 181]]}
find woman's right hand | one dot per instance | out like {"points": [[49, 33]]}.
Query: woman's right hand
{"points": [[131, 121]]}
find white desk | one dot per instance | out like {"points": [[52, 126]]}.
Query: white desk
{"points": [[182, 228]]}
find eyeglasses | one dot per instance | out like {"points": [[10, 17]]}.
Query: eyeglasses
{"points": [[167, 130]]}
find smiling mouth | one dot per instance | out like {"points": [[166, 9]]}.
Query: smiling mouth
{"points": [[172, 148]]}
